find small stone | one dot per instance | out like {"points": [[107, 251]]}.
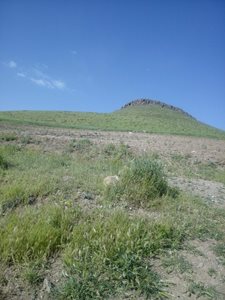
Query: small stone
{"points": [[110, 180], [47, 286]]}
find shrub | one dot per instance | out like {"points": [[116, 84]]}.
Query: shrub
{"points": [[142, 181]]}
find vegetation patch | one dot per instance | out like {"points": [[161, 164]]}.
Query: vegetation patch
{"points": [[7, 137], [148, 118], [199, 289], [220, 251], [141, 182], [35, 234], [80, 145], [4, 164], [177, 263], [110, 253]]}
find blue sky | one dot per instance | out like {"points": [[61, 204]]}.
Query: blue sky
{"points": [[96, 55]]}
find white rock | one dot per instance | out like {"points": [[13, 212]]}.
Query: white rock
{"points": [[110, 180]]}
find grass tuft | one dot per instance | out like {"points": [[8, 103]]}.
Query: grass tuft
{"points": [[4, 164], [79, 145], [7, 137], [140, 183]]}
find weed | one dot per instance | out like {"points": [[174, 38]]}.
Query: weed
{"points": [[212, 272], [26, 139], [35, 234], [32, 273], [79, 145], [110, 253], [199, 289], [176, 263], [4, 164], [119, 152], [8, 137], [219, 249], [140, 183]]}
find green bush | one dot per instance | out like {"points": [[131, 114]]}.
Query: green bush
{"points": [[141, 182]]}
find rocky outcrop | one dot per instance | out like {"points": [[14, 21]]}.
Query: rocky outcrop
{"points": [[144, 101]]}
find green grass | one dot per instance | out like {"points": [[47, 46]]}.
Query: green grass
{"points": [[183, 165], [108, 253], [176, 262], [8, 137], [54, 205], [199, 289], [3, 163], [34, 233], [152, 118], [220, 251]]}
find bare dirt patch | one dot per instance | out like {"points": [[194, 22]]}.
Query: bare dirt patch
{"points": [[202, 149], [212, 192], [204, 277]]}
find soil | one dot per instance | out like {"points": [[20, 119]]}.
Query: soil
{"points": [[206, 268], [200, 149]]}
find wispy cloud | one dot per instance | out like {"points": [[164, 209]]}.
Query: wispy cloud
{"points": [[59, 84], [41, 82], [37, 76], [11, 64], [49, 83], [43, 79], [20, 74]]}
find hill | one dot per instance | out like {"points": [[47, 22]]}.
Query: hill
{"points": [[141, 115], [111, 214]]}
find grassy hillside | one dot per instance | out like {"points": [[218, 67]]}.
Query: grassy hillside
{"points": [[148, 118]]}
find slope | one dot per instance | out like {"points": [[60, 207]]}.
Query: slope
{"points": [[152, 118]]}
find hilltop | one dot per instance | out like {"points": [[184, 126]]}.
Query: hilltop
{"points": [[144, 101], [142, 115]]}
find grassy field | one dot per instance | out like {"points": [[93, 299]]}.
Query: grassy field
{"points": [[54, 206], [147, 118]]}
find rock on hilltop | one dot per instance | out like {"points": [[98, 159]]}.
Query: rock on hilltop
{"points": [[143, 101]]}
